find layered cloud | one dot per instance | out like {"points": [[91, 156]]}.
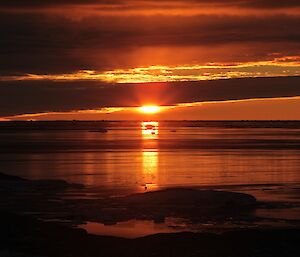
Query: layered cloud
{"points": [[237, 3], [41, 44], [281, 67], [72, 55], [29, 97]]}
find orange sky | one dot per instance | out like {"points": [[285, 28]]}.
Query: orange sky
{"points": [[252, 109], [67, 58]]}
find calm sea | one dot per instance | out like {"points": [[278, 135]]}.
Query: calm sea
{"points": [[147, 155]]}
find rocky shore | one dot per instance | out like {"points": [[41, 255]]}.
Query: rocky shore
{"points": [[36, 220]]}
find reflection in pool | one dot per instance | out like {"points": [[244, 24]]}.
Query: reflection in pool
{"points": [[132, 228]]}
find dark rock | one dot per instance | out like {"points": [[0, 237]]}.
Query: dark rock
{"points": [[5, 177], [182, 197]]}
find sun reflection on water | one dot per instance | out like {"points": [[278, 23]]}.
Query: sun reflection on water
{"points": [[150, 129], [150, 133], [150, 162]]}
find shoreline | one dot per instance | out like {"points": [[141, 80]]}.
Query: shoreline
{"points": [[32, 214]]}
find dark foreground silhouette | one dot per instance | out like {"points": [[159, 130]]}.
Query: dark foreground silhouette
{"points": [[29, 235], [25, 236], [46, 199]]}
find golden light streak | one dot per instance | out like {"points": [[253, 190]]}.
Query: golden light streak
{"points": [[32, 116], [283, 66], [196, 104]]}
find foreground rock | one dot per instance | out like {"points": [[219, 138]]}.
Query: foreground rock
{"points": [[46, 199], [14, 183], [5, 178], [185, 203], [184, 197]]}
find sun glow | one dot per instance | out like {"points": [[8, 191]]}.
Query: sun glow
{"points": [[149, 109]]}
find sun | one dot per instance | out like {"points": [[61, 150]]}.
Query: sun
{"points": [[150, 109]]}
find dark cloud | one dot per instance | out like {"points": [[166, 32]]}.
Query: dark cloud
{"points": [[51, 3], [270, 4], [72, 36], [237, 3], [26, 97], [35, 43]]}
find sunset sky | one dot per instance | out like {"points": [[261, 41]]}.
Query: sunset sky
{"points": [[102, 59]]}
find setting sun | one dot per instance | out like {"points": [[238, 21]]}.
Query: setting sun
{"points": [[149, 109]]}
